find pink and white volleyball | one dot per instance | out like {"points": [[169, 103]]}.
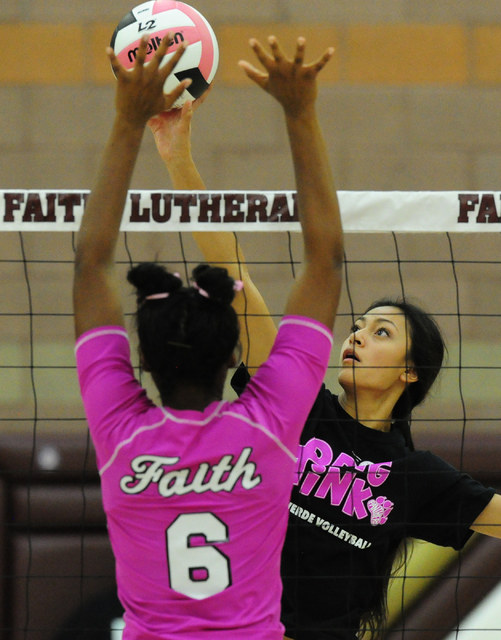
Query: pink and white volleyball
{"points": [[156, 18]]}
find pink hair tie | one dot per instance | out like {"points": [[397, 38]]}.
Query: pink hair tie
{"points": [[157, 296], [238, 285], [201, 291]]}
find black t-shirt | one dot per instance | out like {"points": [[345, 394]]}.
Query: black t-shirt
{"points": [[358, 494]]}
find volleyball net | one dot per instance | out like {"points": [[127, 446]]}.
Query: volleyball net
{"points": [[439, 249]]}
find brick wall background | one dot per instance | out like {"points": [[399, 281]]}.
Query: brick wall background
{"points": [[410, 102]]}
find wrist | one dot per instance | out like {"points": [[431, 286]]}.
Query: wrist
{"points": [[128, 126], [177, 158], [302, 125], [303, 115]]}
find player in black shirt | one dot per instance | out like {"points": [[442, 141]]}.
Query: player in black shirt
{"points": [[360, 489]]}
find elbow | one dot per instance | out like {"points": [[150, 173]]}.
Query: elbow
{"points": [[92, 255], [338, 253], [327, 251], [87, 268], [84, 261]]}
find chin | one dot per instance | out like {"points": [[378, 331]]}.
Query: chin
{"points": [[347, 378]]}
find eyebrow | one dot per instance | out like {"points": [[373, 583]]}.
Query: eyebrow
{"points": [[377, 319]]}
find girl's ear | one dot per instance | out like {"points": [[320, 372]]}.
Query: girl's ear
{"points": [[236, 356], [234, 360], [409, 375]]}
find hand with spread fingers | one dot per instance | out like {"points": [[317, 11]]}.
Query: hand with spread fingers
{"points": [[140, 94], [289, 80]]}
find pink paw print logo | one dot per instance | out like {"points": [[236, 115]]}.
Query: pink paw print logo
{"points": [[380, 509]]}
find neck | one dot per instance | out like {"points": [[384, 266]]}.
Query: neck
{"points": [[371, 410], [195, 397], [190, 398]]}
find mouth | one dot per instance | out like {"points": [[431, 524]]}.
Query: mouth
{"points": [[350, 356]]}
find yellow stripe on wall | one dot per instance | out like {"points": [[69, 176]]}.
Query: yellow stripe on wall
{"points": [[407, 54], [100, 70], [387, 54], [42, 54], [487, 54]]}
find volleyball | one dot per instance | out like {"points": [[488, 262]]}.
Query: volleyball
{"points": [[156, 18]]}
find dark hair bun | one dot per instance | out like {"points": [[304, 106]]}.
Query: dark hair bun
{"points": [[149, 278], [216, 282]]}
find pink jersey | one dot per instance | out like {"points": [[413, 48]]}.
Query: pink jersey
{"points": [[196, 502]]}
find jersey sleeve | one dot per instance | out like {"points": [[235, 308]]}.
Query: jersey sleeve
{"points": [[110, 391], [282, 391], [451, 502]]}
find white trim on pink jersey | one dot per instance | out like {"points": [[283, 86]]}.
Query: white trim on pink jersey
{"points": [[167, 415], [183, 420], [312, 324], [96, 333], [108, 464]]}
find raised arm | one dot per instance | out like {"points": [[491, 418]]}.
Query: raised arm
{"points": [[172, 133], [293, 83], [139, 96]]}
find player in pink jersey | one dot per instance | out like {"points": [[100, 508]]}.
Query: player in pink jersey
{"points": [[196, 490]]}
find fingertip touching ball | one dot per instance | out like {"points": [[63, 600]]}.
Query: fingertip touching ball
{"points": [[156, 18]]}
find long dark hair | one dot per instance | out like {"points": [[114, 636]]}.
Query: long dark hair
{"points": [[373, 621], [186, 334], [425, 354]]}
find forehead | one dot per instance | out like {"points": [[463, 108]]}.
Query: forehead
{"points": [[392, 314]]}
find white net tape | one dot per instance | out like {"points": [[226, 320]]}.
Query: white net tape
{"points": [[362, 211]]}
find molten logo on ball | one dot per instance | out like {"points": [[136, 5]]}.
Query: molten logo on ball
{"points": [[156, 18], [153, 45]]}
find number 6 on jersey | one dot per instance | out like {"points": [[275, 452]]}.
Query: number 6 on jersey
{"points": [[197, 571]]}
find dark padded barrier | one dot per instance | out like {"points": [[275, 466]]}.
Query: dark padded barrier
{"points": [[55, 553], [442, 607], [56, 566]]}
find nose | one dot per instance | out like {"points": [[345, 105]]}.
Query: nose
{"points": [[356, 337]]}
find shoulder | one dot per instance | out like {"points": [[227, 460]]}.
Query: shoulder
{"points": [[440, 474], [95, 339], [424, 459], [104, 364]]}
